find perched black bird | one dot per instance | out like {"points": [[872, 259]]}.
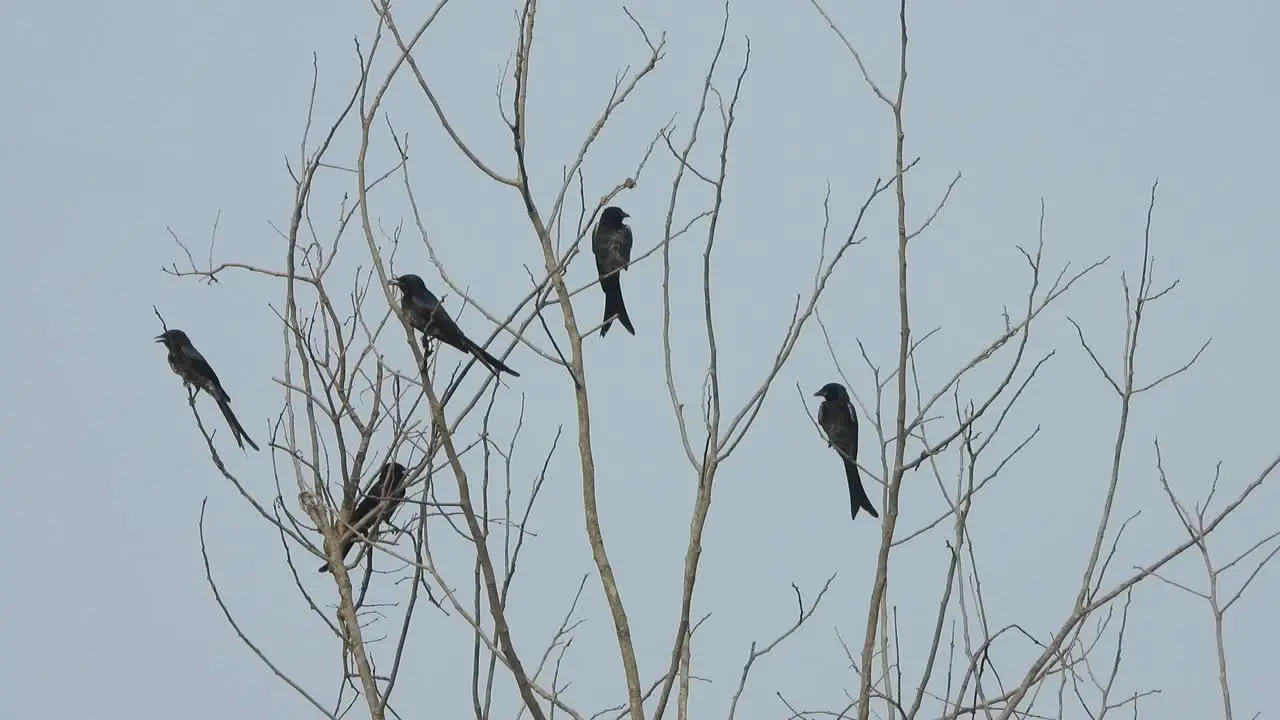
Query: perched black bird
{"points": [[191, 366], [428, 317], [376, 507], [840, 422], [611, 243]]}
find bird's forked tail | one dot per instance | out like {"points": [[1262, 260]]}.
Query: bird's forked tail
{"points": [[237, 430], [614, 306], [488, 359], [857, 494]]}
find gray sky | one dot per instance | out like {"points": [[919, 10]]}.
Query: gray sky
{"points": [[129, 117]]}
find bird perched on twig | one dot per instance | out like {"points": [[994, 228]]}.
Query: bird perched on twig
{"points": [[190, 365], [376, 507], [839, 421], [611, 243], [426, 315]]}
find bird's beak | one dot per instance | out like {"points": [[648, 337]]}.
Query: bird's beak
{"points": [[818, 394], [159, 338], [394, 282]]}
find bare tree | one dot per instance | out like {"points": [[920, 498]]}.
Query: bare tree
{"points": [[351, 402], [1066, 653]]}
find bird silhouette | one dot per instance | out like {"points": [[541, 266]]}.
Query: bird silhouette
{"points": [[190, 365], [375, 508], [611, 242], [426, 315], [839, 421]]}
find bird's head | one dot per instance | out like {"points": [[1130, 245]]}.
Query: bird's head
{"points": [[395, 469], [171, 338], [409, 284], [613, 216], [834, 392]]}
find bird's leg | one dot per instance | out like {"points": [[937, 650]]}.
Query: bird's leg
{"points": [[426, 353], [390, 528]]}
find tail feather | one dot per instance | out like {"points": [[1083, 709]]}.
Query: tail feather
{"points": [[492, 362], [614, 306], [857, 494], [237, 430], [469, 346]]}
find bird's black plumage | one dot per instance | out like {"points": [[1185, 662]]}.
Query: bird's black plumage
{"points": [[611, 243], [839, 421], [190, 365], [376, 507], [427, 316]]}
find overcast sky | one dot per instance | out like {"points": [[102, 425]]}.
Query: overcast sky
{"points": [[126, 118]]}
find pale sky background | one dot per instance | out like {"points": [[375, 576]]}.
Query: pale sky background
{"points": [[124, 118]]}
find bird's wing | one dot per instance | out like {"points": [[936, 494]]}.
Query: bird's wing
{"points": [[427, 297], [193, 357], [612, 248], [361, 515], [387, 490], [626, 242], [422, 312], [203, 372], [851, 429], [442, 324], [853, 416], [202, 368], [414, 303]]}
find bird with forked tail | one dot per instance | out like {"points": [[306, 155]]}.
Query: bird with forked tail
{"points": [[190, 365], [425, 314], [375, 508], [611, 242], [839, 421]]}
